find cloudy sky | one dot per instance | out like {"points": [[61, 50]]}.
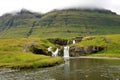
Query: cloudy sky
{"points": [[48, 5]]}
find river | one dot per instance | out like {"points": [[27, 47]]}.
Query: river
{"points": [[74, 69]]}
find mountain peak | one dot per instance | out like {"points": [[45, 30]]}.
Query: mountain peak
{"points": [[24, 11], [98, 10]]}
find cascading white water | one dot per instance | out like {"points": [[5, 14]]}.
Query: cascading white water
{"points": [[50, 49], [66, 52], [74, 42], [55, 53]]}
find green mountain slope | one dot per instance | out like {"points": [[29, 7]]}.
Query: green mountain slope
{"points": [[77, 17], [59, 23], [22, 18]]}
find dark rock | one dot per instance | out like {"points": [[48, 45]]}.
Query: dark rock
{"points": [[70, 42], [36, 50], [78, 51], [88, 49], [58, 41], [92, 49], [78, 39]]}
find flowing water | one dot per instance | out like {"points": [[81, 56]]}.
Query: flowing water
{"points": [[66, 52], [74, 69]]}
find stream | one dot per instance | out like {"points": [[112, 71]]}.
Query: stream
{"points": [[74, 69]]}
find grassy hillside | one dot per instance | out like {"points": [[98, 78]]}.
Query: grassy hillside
{"points": [[12, 55], [111, 44], [78, 17], [27, 61], [59, 32], [59, 23], [22, 18]]}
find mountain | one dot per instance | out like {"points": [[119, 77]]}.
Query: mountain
{"points": [[77, 17], [59, 23], [24, 17]]}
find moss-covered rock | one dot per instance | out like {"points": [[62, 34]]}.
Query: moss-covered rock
{"points": [[58, 41], [78, 51]]}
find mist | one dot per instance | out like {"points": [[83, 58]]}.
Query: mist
{"points": [[44, 6]]}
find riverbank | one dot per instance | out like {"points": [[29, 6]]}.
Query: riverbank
{"points": [[15, 53], [91, 57], [98, 46], [28, 60]]}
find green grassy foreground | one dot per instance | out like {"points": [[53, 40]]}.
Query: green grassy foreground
{"points": [[12, 55], [28, 60]]}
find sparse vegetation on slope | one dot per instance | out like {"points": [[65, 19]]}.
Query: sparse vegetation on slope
{"points": [[72, 22]]}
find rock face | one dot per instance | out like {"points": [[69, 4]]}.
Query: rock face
{"points": [[58, 41], [78, 38], [92, 49], [78, 51], [37, 50]]}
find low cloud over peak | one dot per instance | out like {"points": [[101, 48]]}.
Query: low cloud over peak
{"points": [[48, 5]]}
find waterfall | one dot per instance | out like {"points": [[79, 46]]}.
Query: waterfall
{"points": [[50, 49], [55, 53], [66, 52], [74, 42]]}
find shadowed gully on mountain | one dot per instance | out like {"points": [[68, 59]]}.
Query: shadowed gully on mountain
{"points": [[71, 22]]}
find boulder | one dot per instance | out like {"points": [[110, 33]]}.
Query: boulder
{"points": [[92, 49], [36, 50], [88, 49], [78, 51]]}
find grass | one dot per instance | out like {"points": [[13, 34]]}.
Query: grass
{"points": [[68, 32], [64, 24], [111, 43], [27, 60], [16, 44], [12, 55], [60, 23]]}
